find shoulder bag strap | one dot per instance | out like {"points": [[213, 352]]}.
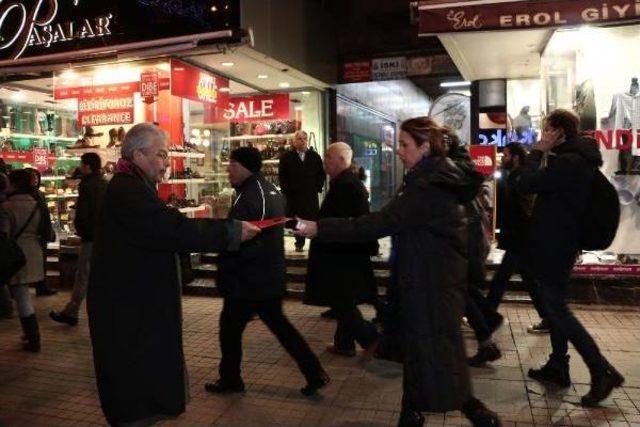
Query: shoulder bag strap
{"points": [[33, 212]]}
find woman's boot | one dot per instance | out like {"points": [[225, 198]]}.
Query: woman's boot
{"points": [[31, 333]]}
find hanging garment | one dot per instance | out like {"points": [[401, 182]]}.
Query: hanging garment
{"points": [[625, 114]]}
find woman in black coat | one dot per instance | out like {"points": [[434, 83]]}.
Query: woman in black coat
{"points": [[426, 219]]}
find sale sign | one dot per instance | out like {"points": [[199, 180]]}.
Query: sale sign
{"points": [[105, 110], [258, 108], [195, 84], [484, 158], [149, 86], [41, 158]]}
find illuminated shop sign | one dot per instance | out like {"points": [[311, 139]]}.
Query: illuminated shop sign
{"points": [[196, 84]]}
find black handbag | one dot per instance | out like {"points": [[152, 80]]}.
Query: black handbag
{"points": [[12, 258]]}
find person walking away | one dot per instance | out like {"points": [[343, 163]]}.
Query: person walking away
{"points": [[134, 294], [426, 218], [22, 223], [514, 213], [562, 190], [6, 305], [46, 232], [90, 194], [340, 275], [301, 178], [253, 279]]}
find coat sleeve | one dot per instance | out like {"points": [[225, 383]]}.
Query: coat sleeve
{"points": [[321, 175], [558, 176], [406, 210], [283, 173], [149, 223], [83, 214]]}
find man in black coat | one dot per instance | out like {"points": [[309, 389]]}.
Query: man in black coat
{"points": [[253, 279], [340, 275], [562, 191], [134, 295], [90, 194], [301, 178]]}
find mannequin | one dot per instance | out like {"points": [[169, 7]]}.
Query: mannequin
{"points": [[625, 114]]}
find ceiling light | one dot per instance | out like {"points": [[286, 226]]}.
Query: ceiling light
{"points": [[306, 93], [68, 75], [224, 89], [227, 64], [455, 84], [263, 76], [18, 96], [298, 108], [284, 84], [214, 9]]}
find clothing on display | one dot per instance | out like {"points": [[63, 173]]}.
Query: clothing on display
{"points": [[625, 112]]}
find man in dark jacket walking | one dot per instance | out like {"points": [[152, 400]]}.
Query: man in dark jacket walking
{"points": [[562, 188], [91, 191], [301, 177], [253, 279], [340, 275], [134, 295]]}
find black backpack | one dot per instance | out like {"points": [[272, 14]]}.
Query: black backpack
{"points": [[601, 216]]}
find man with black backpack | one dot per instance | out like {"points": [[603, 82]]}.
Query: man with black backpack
{"points": [[568, 188]]}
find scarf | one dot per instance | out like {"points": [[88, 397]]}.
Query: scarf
{"points": [[127, 167]]}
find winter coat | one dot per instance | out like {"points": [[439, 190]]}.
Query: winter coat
{"points": [[45, 229], [90, 193], [17, 209], [427, 221], [341, 271], [514, 213], [258, 270], [301, 182], [561, 189], [134, 297]]}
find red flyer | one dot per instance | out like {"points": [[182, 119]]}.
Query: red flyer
{"points": [[271, 222]]}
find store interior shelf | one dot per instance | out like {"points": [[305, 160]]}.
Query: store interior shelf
{"points": [[264, 162], [185, 181], [252, 137], [61, 196], [53, 178], [195, 209], [43, 137], [186, 155]]}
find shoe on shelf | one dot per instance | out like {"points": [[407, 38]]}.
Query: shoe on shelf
{"points": [[328, 314], [225, 387], [315, 384], [602, 384], [487, 353], [541, 327], [62, 317], [554, 371], [338, 352]]}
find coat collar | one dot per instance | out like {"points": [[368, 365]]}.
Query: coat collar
{"points": [[127, 167]]}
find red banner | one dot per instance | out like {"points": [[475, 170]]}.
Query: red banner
{"points": [[258, 108], [197, 85], [41, 158], [606, 270], [23, 157], [116, 89], [355, 72], [105, 110], [149, 85], [434, 18], [484, 158]]}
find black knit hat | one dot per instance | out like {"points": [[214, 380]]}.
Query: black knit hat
{"points": [[248, 157]]}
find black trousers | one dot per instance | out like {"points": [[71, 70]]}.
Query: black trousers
{"points": [[235, 315], [351, 327], [481, 316], [513, 262]]}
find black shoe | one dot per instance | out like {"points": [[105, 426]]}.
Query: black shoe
{"points": [[225, 387], [31, 333], [62, 317], [328, 314], [495, 322], [539, 328], [601, 386], [315, 384], [554, 371], [480, 415], [487, 353], [339, 352], [45, 292], [409, 418]]}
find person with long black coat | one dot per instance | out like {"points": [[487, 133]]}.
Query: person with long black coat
{"points": [[562, 192], [253, 279], [340, 275], [134, 295], [302, 178], [426, 218]]}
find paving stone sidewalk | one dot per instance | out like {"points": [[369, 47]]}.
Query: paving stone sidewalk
{"points": [[57, 388]]}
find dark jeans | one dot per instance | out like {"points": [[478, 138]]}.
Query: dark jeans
{"points": [[479, 313], [299, 242], [513, 262], [351, 327], [235, 315], [564, 325]]}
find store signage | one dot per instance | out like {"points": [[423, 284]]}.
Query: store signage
{"points": [[195, 84], [258, 108], [110, 90], [522, 15], [389, 68], [606, 270], [149, 84], [31, 29], [484, 158], [41, 158], [105, 110], [497, 137], [619, 139], [23, 157], [356, 72]]}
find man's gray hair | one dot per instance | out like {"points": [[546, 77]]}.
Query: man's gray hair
{"points": [[343, 150], [140, 137]]}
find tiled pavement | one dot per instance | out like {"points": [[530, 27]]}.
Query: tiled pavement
{"points": [[56, 387]]}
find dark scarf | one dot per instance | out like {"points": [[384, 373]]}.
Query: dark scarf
{"points": [[127, 167]]}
